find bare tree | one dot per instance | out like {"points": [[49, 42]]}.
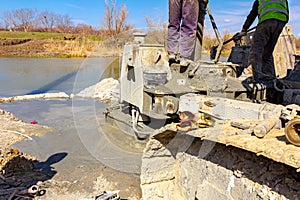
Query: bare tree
{"points": [[8, 20], [157, 32], [32, 20], [121, 19], [110, 7], [115, 20], [24, 19], [150, 23], [84, 29], [64, 23], [48, 20], [21, 19]]}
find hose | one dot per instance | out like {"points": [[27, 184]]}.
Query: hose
{"points": [[134, 118]]}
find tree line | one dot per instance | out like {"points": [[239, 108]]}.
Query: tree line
{"points": [[114, 21], [28, 20]]}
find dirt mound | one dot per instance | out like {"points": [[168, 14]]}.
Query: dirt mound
{"points": [[47, 47], [12, 41], [22, 47], [17, 173], [12, 161]]}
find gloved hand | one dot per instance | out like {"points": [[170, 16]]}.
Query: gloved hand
{"points": [[236, 38], [243, 32]]}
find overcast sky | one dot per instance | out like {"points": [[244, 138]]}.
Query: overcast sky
{"points": [[229, 14]]}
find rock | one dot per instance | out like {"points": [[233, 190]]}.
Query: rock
{"points": [[72, 96], [105, 91]]}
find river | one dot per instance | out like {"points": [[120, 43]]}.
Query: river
{"points": [[19, 76]]}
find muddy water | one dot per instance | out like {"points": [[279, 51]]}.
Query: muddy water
{"points": [[80, 133], [19, 76], [80, 130]]}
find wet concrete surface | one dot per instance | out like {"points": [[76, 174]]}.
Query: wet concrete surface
{"points": [[82, 146]]}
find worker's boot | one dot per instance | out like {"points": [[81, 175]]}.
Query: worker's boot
{"points": [[172, 59], [184, 62]]}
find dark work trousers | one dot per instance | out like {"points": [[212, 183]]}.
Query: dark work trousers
{"points": [[183, 17], [261, 54], [200, 28]]}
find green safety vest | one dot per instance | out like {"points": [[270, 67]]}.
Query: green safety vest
{"points": [[273, 9]]}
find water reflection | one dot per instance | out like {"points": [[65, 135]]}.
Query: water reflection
{"points": [[19, 76], [48, 87]]}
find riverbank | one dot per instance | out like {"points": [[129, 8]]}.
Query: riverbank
{"points": [[46, 48], [60, 45], [36, 44]]}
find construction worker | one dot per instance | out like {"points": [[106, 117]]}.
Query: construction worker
{"points": [[272, 17], [182, 28]]}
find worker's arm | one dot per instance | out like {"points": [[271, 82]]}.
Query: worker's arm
{"points": [[251, 17]]}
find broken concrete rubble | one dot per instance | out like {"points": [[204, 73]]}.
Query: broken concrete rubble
{"points": [[208, 170]]}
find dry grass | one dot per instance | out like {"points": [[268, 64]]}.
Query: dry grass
{"points": [[80, 47]]}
